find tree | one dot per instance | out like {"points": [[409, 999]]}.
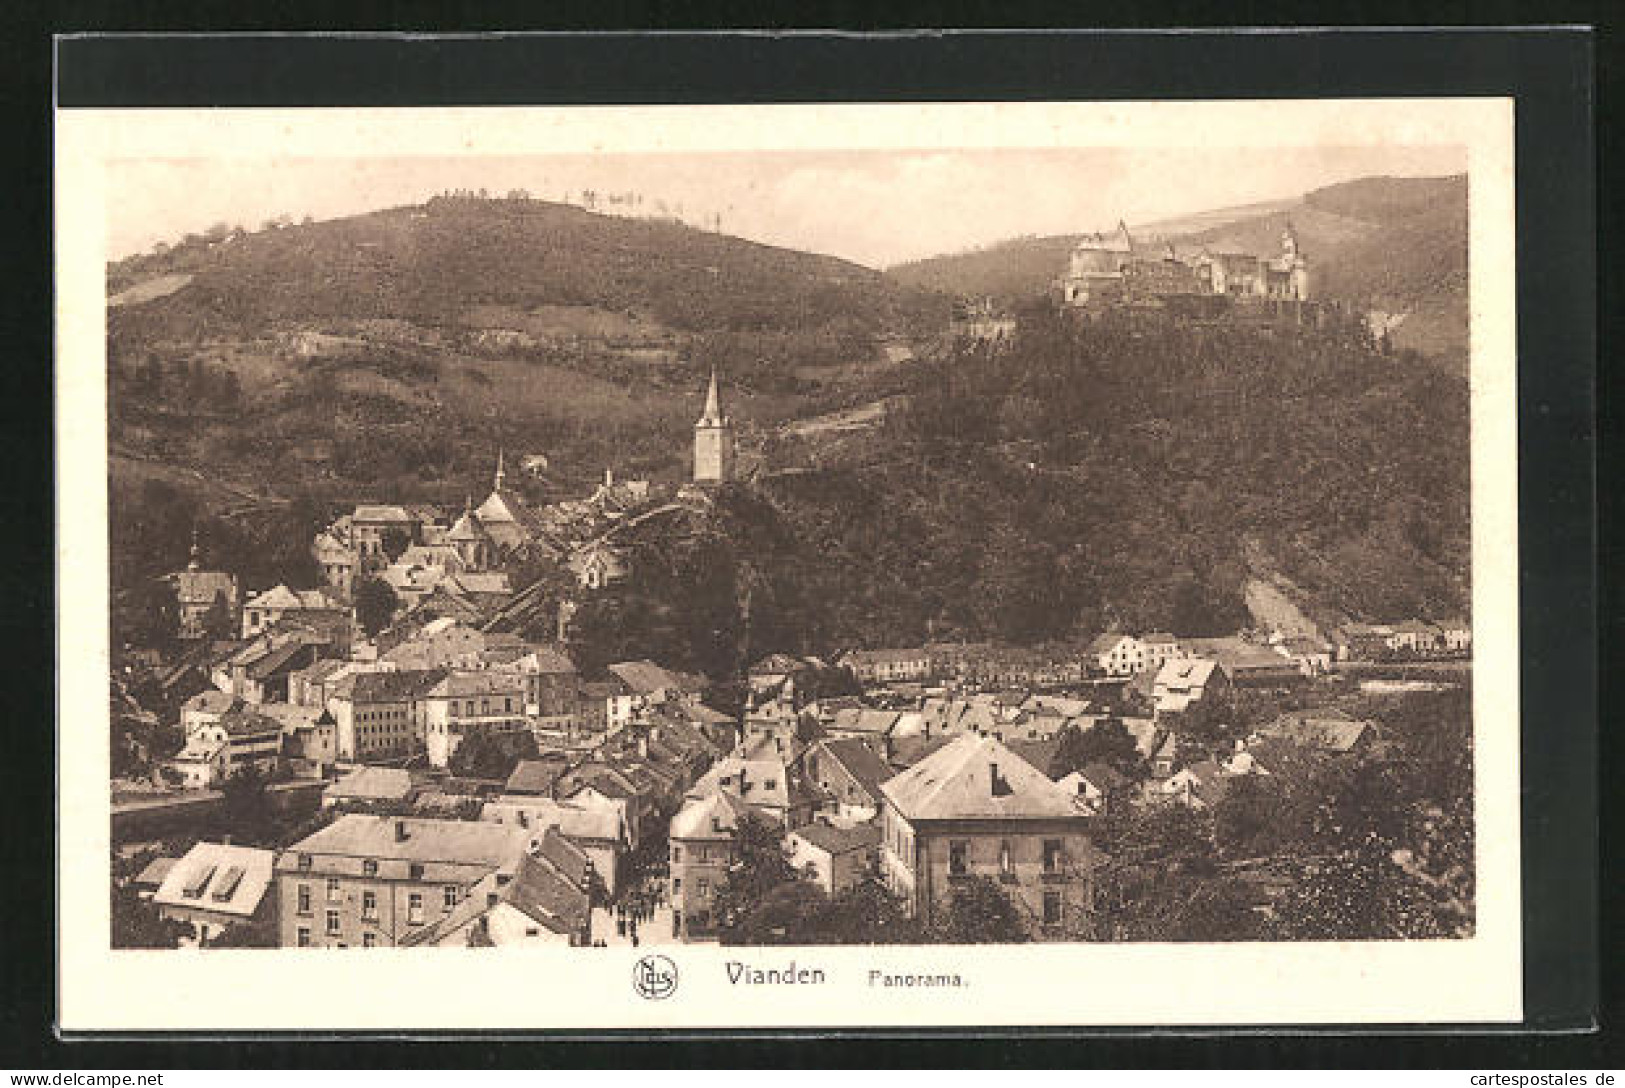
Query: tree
{"points": [[491, 755], [759, 866], [1108, 742], [250, 933], [136, 923], [394, 542], [246, 808], [216, 622], [978, 912], [375, 604]]}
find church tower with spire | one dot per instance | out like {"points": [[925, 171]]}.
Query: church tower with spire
{"points": [[713, 441]]}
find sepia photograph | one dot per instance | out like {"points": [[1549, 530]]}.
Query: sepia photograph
{"points": [[636, 550]]}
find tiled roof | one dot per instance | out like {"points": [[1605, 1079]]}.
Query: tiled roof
{"points": [[976, 777], [373, 784], [462, 842], [155, 872], [861, 761], [764, 783], [212, 701], [247, 723], [839, 840], [458, 685], [864, 720], [645, 677], [375, 687], [201, 586], [536, 776], [713, 816], [586, 822]]}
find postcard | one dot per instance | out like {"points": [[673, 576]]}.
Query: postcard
{"points": [[826, 566]]}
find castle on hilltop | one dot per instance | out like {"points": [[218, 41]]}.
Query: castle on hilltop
{"points": [[1114, 269]]}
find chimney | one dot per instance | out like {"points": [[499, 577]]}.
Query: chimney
{"points": [[400, 830], [490, 900], [996, 784]]}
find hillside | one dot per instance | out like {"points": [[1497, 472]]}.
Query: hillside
{"points": [[394, 352], [1396, 245], [1161, 478]]}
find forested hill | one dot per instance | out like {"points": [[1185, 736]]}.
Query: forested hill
{"points": [[435, 263], [1393, 244], [1112, 473]]}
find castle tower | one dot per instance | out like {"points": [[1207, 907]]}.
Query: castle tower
{"points": [[713, 441], [1295, 264]]}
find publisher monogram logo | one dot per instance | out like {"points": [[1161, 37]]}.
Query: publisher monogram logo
{"points": [[654, 977]]}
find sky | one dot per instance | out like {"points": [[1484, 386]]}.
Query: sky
{"points": [[874, 207]]}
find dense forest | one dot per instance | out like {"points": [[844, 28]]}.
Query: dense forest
{"points": [[1096, 474]]}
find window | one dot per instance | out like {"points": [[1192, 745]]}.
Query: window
{"points": [[304, 937], [333, 892], [1006, 864], [414, 908], [369, 940], [449, 896], [676, 884], [957, 864], [1052, 855], [332, 921], [369, 867], [369, 906], [304, 863], [1052, 908], [304, 899], [703, 886], [676, 853]]}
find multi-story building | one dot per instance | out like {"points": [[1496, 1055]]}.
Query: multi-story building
{"points": [[464, 703], [1117, 654], [216, 886], [887, 666], [702, 843], [975, 809], [265, 610], [366, 881], [377, 714]]}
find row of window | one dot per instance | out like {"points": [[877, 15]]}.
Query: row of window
{"points": [[959, 857], [450, 894], [702, 886]]}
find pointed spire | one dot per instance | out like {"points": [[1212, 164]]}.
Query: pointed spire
{"points": [[498, 485], [713, 411], [196, 557]]}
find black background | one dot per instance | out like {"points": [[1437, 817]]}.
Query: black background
{"points": [[1550, 75]]}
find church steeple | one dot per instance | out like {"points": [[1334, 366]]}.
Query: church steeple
{"points": [[713, 440], [712, 416], [196, 562], [497, 485]]}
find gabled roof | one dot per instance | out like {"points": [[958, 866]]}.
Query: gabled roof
{"points": [[713, 816], [839, 840], [244, 722], [644, 677], [155, 872], [877, 723], [860, 761], [764, 783], [1101, 644], [1105, 777], [537, 776], [777, 665], [376, 687], [461, 842], [212, 701], [976, 777], [581, 822], [1328, 734]]}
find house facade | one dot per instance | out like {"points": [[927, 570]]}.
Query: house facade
{"points": [[367, 881], [975, 809]]}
